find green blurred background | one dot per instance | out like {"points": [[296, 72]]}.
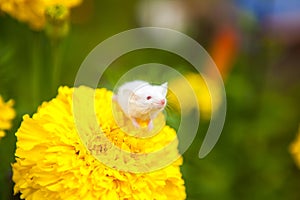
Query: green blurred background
{"points": [[261, 75]]}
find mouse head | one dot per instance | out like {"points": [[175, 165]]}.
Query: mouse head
{"points": [[150, 97]]}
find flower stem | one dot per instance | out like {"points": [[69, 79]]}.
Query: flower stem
{"points": [[57, 47], [36, 70], [55, 65]]}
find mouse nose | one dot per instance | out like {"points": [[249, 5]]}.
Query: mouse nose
{"points": [[162, 102]]}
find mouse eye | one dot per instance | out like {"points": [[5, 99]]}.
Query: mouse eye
{"points": [[149, 97]]}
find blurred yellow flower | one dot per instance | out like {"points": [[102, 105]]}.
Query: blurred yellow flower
{"points": [[52, 162], [295, 148], [33, 11], [180, 98], [57, 18], [7, 113]]}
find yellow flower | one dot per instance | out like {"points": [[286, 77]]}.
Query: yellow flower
{"points": [[180, 98], [33, 11], [57, 18], [52, 162], [295, 149], [7, 113]]}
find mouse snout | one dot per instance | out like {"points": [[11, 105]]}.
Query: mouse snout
{"points": [[162, 102]]}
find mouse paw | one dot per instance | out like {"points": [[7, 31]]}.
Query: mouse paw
{"points": [[135, 123], [150, 125], [114, 98]]}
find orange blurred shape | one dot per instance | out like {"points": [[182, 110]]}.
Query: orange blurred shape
{"points": [[224, 48]]}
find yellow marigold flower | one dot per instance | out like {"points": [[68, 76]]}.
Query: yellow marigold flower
{"points": [[295, 149], [53, 163], [7, 113], [33, 11], [183, 99], [57, 18]]}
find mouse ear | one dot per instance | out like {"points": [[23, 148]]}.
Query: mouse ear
{"points": [[164, 88], [130, 94], [127, 92]]}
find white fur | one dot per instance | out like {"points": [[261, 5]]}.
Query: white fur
{"points": [[132, 98]]}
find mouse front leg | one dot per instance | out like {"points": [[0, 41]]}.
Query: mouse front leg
{"points": [[150, 125], [135, 123]]}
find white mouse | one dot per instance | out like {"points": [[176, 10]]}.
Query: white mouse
{"points": [[141, 101]]}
